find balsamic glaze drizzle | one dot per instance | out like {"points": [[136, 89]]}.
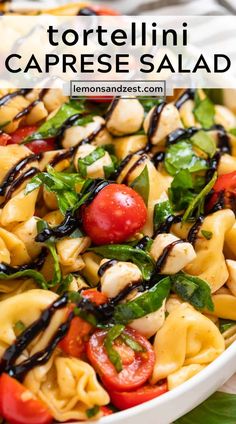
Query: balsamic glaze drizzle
{"points": [[193, 232], [158, 158], [68, 225], [17, 183], [86, 11], [161, 261], [36, 264], [14, 171], [111, 108], [65, 126], [104, 267], [180, 134], [10, 96], [187, 95], [166, 225]]}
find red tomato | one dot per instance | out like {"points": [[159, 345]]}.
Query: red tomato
{"points": [[4, 139], [133, 375], [95, 296], [116, 213], [125, 400], [106, 411], [104, 11], [224, 190], [36, 146], [16, 405], [74, 342]]}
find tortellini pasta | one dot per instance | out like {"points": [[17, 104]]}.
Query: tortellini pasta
{"points": [[197, 341]]}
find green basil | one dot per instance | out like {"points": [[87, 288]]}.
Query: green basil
{"points": [[123, 252], [143, 305], [149, 102], [181, 156], [63, 184], [225, 324], [161, 212], [57, 276], [129, 341], [198, 201], [220, 408], [91, 412], [141, 184], [113, 355], [27, 273], [19, 327], [204, 142], [207, 234], [88, 160], [181, 191], [233, 131], [51, 127], [204, 111], [193, 290]]}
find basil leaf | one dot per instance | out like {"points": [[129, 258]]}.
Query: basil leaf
{"points": [[113, 355], [216, 95], [19, 327], [233, 131], [225, 324], [129, 341], [207, 234], [161, 212], [91, 412], [181, 156], [88, 160], [199, 200], [51, 127], [181, 190], [220, 408], [63, 184], [193, 290], [123, 252], [57, 276], [27, 273], [204, 111], [149, 102], [204, 142], [143, 305], [141, 184]]}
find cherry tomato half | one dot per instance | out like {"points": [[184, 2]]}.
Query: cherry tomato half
{"points": [[126, 400], [74, 342], [116, 213], [4, 139], [37, 146], [224, 190], [16, 405], [134, 373], [95, 296]]}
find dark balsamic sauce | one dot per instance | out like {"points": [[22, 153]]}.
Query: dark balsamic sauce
{"points": [[104, 267], [86, 11], [10, 96], [68, 225], [15, 350], [18, 182], [166, 225], [158, 158], [59, 157], [14, 171], [111, 108], [122, 165], [187, 95], [138, 162], [142, 244], [223, 139], [213, 165], [193, 232], [36, 264], [154, 121], [180, 134], [65, 126], [161, 261]]}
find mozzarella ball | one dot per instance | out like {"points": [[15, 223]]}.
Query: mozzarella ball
{"points": [[179, 256], [75, 134], [126, 117], [119, 276], [95, 170], [169, 120], [151, 323]]}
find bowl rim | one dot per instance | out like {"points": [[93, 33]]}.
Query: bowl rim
{"points": [[181, 390]]}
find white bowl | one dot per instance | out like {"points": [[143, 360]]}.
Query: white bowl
{"points": [[174, 404]]}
